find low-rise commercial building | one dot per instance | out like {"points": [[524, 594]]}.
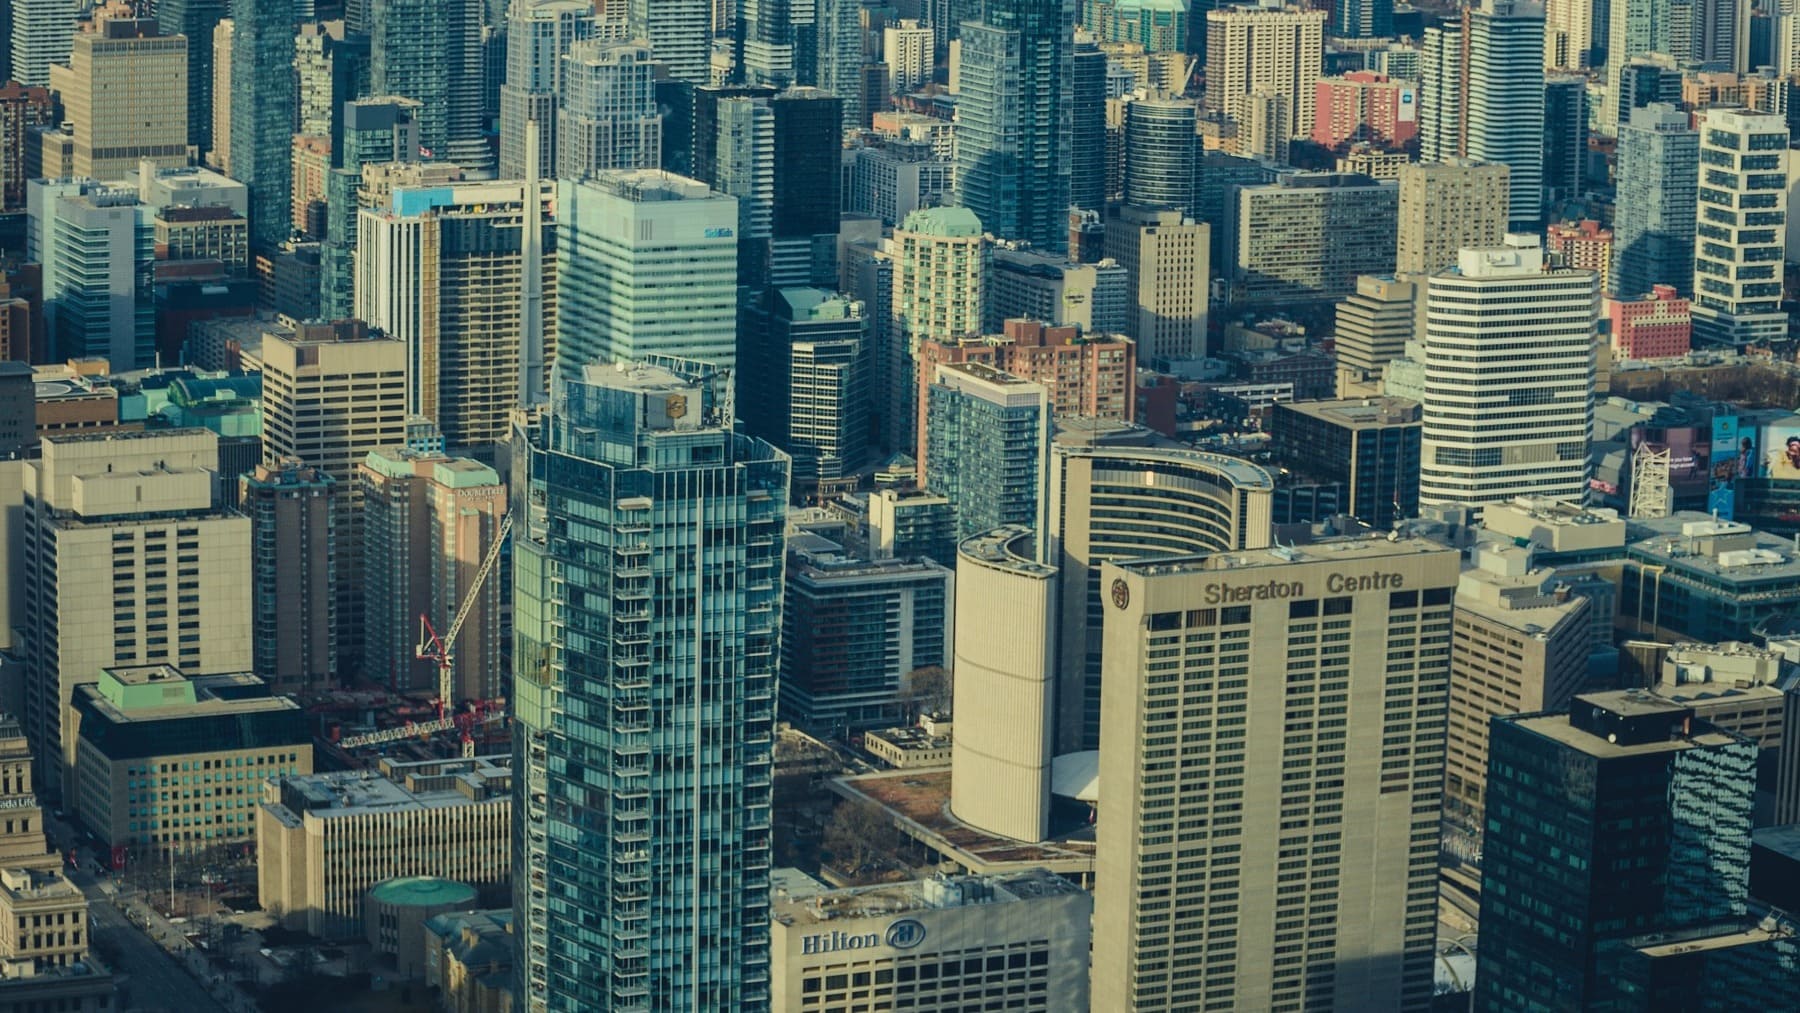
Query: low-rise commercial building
{"points": [[323, 841], [926, 744], [1691, 576]]}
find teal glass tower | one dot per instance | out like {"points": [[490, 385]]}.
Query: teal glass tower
{"points": [[1013, 119], [648, 563], [262, 111]]}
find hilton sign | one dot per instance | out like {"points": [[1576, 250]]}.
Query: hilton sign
{"points": [[901, 935]]}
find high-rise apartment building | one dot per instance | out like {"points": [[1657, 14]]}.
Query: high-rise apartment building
{"points": [[21, 108], [1741, 231], [430, 51], [331, 394], [539, 35], [219, 154], [1309, 235], [679, 33], [96, 245], [1373, 326], [606, 116], [842, 58], [906, 48], [43, 33], [1362, 19], [1658, 182], [1569, 34], [776, 42], [1636, 28], [1504, 99], [1087, 132], [1584, 244], [1294, 826], [293, 569], [1658, 324], [1166, 256], [262, 112], [987, 446], [1565, 140], [1446, 207], [126, 560], [1519, 645], [444, 269], [428, 522], [1160, 146], [1013, 118], [124, 96], [656, 886], [646, 265], [1441, 94], [1273, 50], [938, 257], [1363, 105], [1560, 881], [376, 131], [1509, 396]]}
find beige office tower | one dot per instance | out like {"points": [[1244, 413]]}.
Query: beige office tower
{"points": [[1569, 33], [1004, 691], [1272, 754], [940, 262], [1445, 207], [1520, 645], [428, 521], [126, 560], [442, 268], [1275, 50], [220, 155], [124, 95], [1264, 121], [1165, 256], [1373, 326], [332, 393], [1120, 496]]}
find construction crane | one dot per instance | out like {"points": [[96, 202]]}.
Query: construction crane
{"points": [[442, 649]]}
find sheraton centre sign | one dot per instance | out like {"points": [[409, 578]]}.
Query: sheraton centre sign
{"points": [[1281, 590]]}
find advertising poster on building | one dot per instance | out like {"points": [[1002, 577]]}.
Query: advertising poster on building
{"points": [[1781, 450], [1690, 457], [1732, 453]]}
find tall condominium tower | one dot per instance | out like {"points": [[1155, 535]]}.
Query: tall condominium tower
{"points": [[21, 108], [1161, 144], [1273, 51], [841, 57], [776, 42], [124, 95], [606, 114], [1635, 28], [292, 510], [1448, 206], [307, 376], [1504, 99], [1743, 224], [939, 266], [1293, 827], [1013, 122], [987, 446], [1559, 882], [1565, 140], [195, 19], [444, 269], [1087, 131], [646, 265], [430, 51], [1509, 396], [641, 866], [1659, 179], [1362, 19], [1569, 34], [1440, 94], [802, 353], [376, 131], [539, 33], [262, 110], [679, 33], [43, 32], [127, 559]]}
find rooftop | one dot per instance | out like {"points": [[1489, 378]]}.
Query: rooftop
{"points": [[423, 891], [1329, 549], [1359, 413], [1636, 708], [1719, 937], [1008, 548], [915, 895], [1726, 551], [919, 801], [948, 222], [397, 787]]}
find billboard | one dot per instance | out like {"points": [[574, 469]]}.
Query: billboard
{"points": [[1690, 456], [1781, 450], [1733, 452]]}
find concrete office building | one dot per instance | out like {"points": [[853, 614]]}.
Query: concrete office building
{"points": [[21, 109], [124, 95], [1023, 937], [898, 178], [1373, 326], [656, 885], [1005, 688], [96, 245], [444, 269], [310, 378], [1337, 766], [853, 630], [117, 524], [294, 559], [171, 763], [606, 115], [1272, 50], [22, 844], [911, 524], [1520, 643], [1119, 496], [1565, 142], [322, 841], [1370, 445], [1658, 182], [1024, 284], [678, 32], [1743, 220], [539, 36], [428, 522], [43, 34], [804, 358], [1446, 207], [1308, 236], [939, 271], [987, 446], [646, 265], [1555, 781], [218, 155], [1704, 579], [1013, 118], [1483, 367], [1166, 255], [1504, 100]]}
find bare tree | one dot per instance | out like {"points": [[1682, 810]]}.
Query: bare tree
{"points": [[926, 690], [860, 836]]}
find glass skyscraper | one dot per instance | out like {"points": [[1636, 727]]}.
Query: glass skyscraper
{"points": [[1013, 122], [262, 111], [648, 569]]}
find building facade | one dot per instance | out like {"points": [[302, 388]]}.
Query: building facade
{"points": [[986, 446], [1165, 254], [1013, 123], [294, 558], [1446, 206], [124, 94], [1741, 232], [1658, 183]]}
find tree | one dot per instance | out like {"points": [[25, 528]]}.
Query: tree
{"points": [[860, 836], [927, 690]]}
